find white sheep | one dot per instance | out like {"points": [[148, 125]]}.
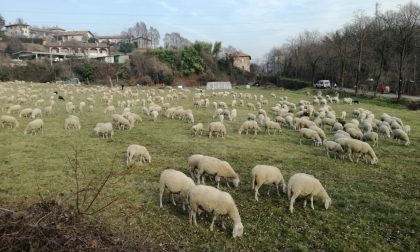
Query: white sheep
{"points": [[266, 175], [72, 122], [249, 125], [13, 109], [407, 129], [219, 169], [27, 112], [70, 107], [400, 135], [359, 148], [320, 132], [176, 182], [384, 130], [137, 151], [34, 126], [355, 133], [214, 201], [304, 185], [9, 120], [275, 126], [198, 128], [218, 128], [309, 134], [331, 146], [82, 104], [36, 112], [233, 115], [371, 136]]}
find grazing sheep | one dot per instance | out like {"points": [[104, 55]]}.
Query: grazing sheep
{"points": [[400, 135], [301, 184], [251, 116], [407, 129], [249, 125], [337, 126], [266, 175], [214, 201], [154, 114], [105, 129], [371, 136], [192, 163], [70, 108], [137, 151], [109, 110], [176, 182], [218, 168], [309, 134], [355, 133], [384, 130], [359, 148], [348, 100], [34, 126], [275, 126], [331, 146], [72, 122], [233, 115], [81, 106], [27, 112], [218, 128], [14, 109], [320, 132], [36, 112], [9, 120], [198, 128]]}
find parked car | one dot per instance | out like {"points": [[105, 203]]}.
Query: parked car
{"points": [[322, 84]]}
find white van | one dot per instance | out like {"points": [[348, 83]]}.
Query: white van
{"points": [[322, 84]]}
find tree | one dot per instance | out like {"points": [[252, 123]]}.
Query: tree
{"points": [[175, 40], [191, 62], [87, 72], [14, 45], [20, 21], [217, 48], [2, 22], [154, 36], [125, 47], [403, 25]]}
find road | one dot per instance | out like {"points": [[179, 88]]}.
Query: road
{"points": [[390, 95]]}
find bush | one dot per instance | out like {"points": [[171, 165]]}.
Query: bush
{"points": [[414, 105], [145, 80]]}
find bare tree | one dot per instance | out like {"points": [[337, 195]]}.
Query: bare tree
{"points": [[175, 40], [154, 36], [2, 22]]}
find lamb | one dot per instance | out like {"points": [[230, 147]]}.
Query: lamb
{"points": [[400, 135], [34, 126], [218, 168], [27, 112], [309, 134], [36, 112], [359, 148], [266, 175], [331, 146], [105, 129], [137, 151], [275, 126], [247, 125], [214, 201], [197, 128], [217, 127], [72, 122], [301, 184], [371, 136], [176, 182], [9, 120]]}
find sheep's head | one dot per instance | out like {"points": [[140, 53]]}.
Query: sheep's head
{"points": [[238, 230], [236, 181], [327, 202]]}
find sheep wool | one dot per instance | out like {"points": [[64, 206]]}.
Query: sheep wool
{"points": [[266, 175]]}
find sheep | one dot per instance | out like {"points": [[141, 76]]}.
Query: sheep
{"points": [[109, 110], [70, 107], [81, 106], [192, 163], [407, 129], [247, 125], [105, 129], [34, 126], [72, 122], [343, 115], [9, 120], [233, 115], [197, 128], [27, 112], [309, 134], [251, 116], [123, 123], [348, 100], [371, 136], [400, 135], [48, 110], [154, 114], [320, 132], [384, 130], [176, 182], [190, 117], [218, 168], [36, 112], [337, 126], [214, 201], [355, 133], [331, 146], [251, 106], [137, 151], [301, 184], [266, 175], [217, 127], [13, 109], [275, 126], [359, 148]]}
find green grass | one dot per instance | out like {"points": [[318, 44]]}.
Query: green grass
{"points": [[374, 207]]}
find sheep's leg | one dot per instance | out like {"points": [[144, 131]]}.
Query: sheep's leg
{"points": [[304, 202], [212, 223], [268, 191], [292, 201], [277, 187], [173, 200], [327, 152], [162, 190], [217, 179], [257, 187], [312, 202]]}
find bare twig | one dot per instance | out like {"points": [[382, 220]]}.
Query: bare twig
{"points": [[6, 210]]}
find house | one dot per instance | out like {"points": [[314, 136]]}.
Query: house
{"points": [[114, 39], [41, 33], [142, 42], [17, 30], [241, 61], [81, 36], [78, 49]]}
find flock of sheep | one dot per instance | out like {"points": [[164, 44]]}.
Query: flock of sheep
{"points": [[353, 138]]}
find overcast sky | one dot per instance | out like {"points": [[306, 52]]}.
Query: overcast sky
{"points": [[252, 26]]}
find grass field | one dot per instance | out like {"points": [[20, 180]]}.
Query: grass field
{"points": [[374, 207]]}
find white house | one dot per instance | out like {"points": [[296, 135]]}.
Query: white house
{"points": [[81, 36], [113, 39], [17, 30]]}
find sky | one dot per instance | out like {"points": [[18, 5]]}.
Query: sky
{"points": [[252, 26]]}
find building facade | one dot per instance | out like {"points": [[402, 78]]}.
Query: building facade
{"points": [[78, 49], [80, 36], [113, 39], [241, 61], [17, 30]]}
